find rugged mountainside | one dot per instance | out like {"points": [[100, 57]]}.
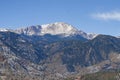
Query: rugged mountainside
{"points": [[87, 53], [39, 53]]}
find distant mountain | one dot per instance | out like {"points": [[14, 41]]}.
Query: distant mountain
{"points": [[58, 28], [55, 51]]}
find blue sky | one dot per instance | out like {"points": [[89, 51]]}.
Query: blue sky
{"points": [[96, 16]]}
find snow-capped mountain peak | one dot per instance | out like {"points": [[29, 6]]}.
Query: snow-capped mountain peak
{"points": [[58, 28]]}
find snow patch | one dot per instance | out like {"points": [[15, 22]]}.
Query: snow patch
{"points": [[3, 30], [118, 57], [92, 35]]}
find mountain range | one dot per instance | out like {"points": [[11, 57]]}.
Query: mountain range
{"points": [[58, 28], [54, 52]]}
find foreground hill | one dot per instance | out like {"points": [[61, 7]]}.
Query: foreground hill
{"points": [[110, 75]]}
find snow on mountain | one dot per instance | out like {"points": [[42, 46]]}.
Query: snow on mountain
{"points": [[3, 30], [6, 30], [92, 35], [118, 36], [58, 28], [32, 30]]}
